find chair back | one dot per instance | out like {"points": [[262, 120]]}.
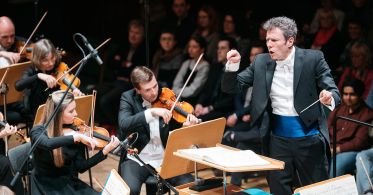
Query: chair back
{"points": [[17, 155]]}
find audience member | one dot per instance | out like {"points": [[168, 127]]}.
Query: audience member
{"points": [[356, 33], [167, 60], [196, 47], [351, 137], [213, 103], [121, 63], [182, 21], [361, 67], [329, 40], [328, 4], [208, 28], [233, 27]]}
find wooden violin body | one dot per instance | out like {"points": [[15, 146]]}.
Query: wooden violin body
{"points": [[100, 135], [167, 98], [66, 79]]}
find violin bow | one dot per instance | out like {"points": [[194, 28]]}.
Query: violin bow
{"points": [[186, 82], [33, 32], [68, 71]]}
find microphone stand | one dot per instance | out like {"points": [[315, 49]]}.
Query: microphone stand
{"points": [[160, 180], [335, 138], [36, 142]]}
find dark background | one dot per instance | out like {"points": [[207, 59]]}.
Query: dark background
{"points": [[100, 19]]}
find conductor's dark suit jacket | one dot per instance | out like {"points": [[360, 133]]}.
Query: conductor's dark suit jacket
{"points": [[311, 75]]}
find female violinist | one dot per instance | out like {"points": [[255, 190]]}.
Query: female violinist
{"points": [[59, 155], [41, 75]]}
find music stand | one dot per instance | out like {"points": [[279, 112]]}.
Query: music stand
{"points": [[9, 94], [83, 107], [14, 74], [205, 134], [342, 185]]}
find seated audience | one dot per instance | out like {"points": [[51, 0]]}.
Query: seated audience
{"points": [[196, 47], [351, 137]]}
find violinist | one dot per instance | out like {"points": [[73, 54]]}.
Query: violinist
{"points": [[152, 126], [59, 155], [8, 51], [6, 175], [41, 75], [9, 55]]}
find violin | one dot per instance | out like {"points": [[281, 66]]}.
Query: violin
{"points": [[22, 137], [100, 135], [166, 100], [26, 53], [66, 79]]}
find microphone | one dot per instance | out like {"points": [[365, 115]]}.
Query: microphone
{"points": [[92, 50], [124, 145]]}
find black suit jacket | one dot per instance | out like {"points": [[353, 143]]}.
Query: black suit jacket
{"points": [[132, 119], [311, 75]]}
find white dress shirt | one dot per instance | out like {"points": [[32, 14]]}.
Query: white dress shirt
{"points": [[281, 93], [153, 152]]}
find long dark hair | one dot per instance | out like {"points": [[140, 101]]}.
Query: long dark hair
{"points": [[55, 128]]}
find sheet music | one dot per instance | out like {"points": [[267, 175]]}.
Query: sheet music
{"points": [[343, 186], [226, 157], [115, 185]]}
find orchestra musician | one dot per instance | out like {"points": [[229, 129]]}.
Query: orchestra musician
{"points": [[6, 175], [137, 115], [60, 154], [41, 76], [8, 51]]}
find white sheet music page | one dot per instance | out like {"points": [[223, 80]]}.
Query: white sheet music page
{"points": [[343, 186], [115, 185], [226, 157]]}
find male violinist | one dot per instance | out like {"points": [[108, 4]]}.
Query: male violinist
{"points": [[152, 125], [8, 52], [8, 56]]}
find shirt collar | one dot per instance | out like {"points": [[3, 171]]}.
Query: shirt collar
{"points": [[289, 60], [146, 104]]}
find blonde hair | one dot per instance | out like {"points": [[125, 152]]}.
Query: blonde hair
{"points": [[362, 49], [54, 128], [41, 50]]}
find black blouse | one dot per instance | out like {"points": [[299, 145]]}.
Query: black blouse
{"points": [[65, 178]]}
